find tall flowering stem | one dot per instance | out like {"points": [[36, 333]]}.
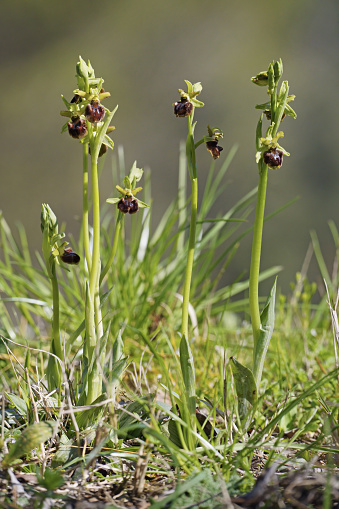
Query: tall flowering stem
{"points": [[90, 123], [269, 155]]}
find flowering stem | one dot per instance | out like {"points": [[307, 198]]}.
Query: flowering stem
{"points": [[85, 207], [108, 265], [256, 252], [190, 152], [94, 273], [93, 319], [53, 368]]}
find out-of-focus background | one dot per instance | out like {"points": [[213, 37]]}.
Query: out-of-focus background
{"points": [[145, 50]]}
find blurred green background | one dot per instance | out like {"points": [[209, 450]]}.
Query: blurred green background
{"points": [[145, 50]]}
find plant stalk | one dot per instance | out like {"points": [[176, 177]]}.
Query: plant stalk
{"points": [[190, 152], [85, 228], [256, 253], [108, 265]]}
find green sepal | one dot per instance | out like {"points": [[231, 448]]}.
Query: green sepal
{"points": [[108, 142], [197, 104], [67, 104], [142, 205], [64, 129], [113, 200]]}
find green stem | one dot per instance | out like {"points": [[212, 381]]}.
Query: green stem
{"points": [[85, 228], [256, 252], [95, 269], [56, 323], [108, 265], [190, 150], [53, 367]]}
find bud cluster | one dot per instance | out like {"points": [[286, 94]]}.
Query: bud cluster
{"points": [[85, 110], [276, 109]]}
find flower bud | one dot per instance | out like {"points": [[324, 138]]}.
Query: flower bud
{"points": [[94, 112], [48, 219], [102, 151], [70, 257], [214, 148], [77, 128], [76, 99], [260, 79], [273, 158], [183, 108]]}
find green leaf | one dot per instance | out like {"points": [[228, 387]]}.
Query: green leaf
{"points": [[29, 439], [19, 403], [188, 373], [91, 416], [244, 381], [51, 480], [266, 331]]}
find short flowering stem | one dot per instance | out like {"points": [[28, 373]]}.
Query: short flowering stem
{"points": [[85, 207], [118, 227], [190, 152], [256, 252], [53, 368]]}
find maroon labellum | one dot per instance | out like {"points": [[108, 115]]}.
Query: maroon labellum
{"points": [[134, 206], [77, 128], [128, 204], [214, 148], [273, 158], [183, 108], [70, 257], [94, 112], [123, 206]]}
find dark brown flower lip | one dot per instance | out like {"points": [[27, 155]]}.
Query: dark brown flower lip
{"points": [[94, 112], [273, 158], [128, 204], [77, 128], [70, 257], [183, 108], [213, 147]]}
